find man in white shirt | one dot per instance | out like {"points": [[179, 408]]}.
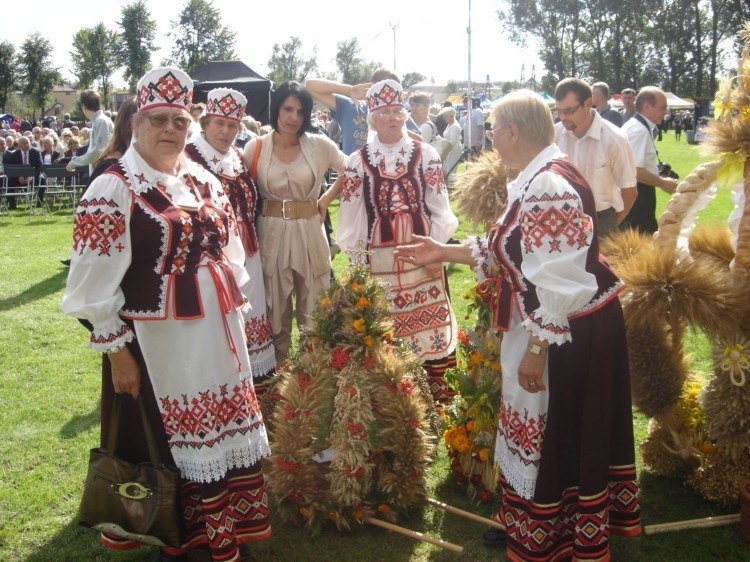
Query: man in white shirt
{"points": [[419, 108], [101, 125], [650, 106], [599, 149]]}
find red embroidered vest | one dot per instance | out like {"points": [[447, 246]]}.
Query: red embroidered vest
{"points": [[242, 194], [507, 247], [168, 244], [380, 188]]}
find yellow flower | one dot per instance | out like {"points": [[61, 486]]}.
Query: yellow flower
{"points": [[363, 303], [368, 341], [359, 325], [325, 303]]}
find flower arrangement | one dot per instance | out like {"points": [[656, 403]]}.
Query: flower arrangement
{"points": [[351, 434], [471, 419]]}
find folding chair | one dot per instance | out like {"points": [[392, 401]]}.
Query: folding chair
{"points": [[4, 210], [64, 187], [25, 192]]}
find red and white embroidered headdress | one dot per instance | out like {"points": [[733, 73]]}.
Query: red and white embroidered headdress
{"points": [[386, 93], [165, 87], [226, 102]]}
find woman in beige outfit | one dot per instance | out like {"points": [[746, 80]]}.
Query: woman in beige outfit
{"points": [[290, 164]]}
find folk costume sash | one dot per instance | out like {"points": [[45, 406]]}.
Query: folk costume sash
{"points": [[396, 209]]}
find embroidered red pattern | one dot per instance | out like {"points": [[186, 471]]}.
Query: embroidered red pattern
{"points": [[352, 183], [258, 330], [524, 435], [552, 220], [434, 177], [189, 421], [95, 228], [183, 247], [109, 338]]}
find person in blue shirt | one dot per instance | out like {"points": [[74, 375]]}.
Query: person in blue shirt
{"points": [[349, 107]]}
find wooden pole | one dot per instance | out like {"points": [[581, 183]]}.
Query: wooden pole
{"points": [[413, 534], [466, 514], [718, 521]]}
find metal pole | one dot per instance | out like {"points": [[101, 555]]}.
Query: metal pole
{"points": [[394, 26], [469, 101]]}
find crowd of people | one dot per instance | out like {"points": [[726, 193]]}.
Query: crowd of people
{"points": [[52, 142], [200, 240]]}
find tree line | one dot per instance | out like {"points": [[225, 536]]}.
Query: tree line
{"points": [[680, 45]]}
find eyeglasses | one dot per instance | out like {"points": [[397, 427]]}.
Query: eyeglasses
{"points": [[160, 120], [387, 113], [492, 132], [569, 110]]}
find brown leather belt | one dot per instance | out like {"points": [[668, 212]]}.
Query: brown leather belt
{"points": [[288, 210]]}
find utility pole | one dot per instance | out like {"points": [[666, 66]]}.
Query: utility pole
{"points": [[469, 101], [393, 26]]}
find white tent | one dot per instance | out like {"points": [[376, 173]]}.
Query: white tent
{"points": [[675, 102]]}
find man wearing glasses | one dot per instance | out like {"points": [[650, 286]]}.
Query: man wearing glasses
{"points": [[600, 151]]}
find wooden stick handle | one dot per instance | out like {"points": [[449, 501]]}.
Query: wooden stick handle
{"points": [[718, 521], [413, 534], [466, 514]]}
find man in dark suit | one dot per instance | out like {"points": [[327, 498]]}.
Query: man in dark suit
{"points": [[25, 155]]}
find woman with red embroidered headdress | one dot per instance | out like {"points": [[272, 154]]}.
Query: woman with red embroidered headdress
{"points": [[213, 148], [394, 187], [156, 269], [565, 435]]}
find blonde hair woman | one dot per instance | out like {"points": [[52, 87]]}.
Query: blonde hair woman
{"points": [[565, 436]]}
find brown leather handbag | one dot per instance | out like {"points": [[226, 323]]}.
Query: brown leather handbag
{"points": [[138, 501]]}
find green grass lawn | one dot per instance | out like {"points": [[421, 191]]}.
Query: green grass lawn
{"points": [[49, 418]]}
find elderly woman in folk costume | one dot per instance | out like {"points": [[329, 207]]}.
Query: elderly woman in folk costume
{"points": [[157, 268], [214, 149], [393, 187], [565, 434]]}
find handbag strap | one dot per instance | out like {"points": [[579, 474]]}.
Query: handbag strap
{"points": [[114, 425], [256, 157]]}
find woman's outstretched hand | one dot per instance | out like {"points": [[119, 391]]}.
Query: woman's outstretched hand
{"points": [[422, 251]]}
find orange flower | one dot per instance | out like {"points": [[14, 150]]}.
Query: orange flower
{"points": [[708, 448], [470, 425], [325, 302], [359, 325], [368, 341], [356, 287], [358, 513], [304, 512], [484, 454], [475, 359], [384, 508], [362, 303]]}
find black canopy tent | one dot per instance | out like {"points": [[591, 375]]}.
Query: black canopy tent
{"points": [[238, 76]]}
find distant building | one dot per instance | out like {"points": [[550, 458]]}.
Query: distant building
{"points": [[64, 100]]}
